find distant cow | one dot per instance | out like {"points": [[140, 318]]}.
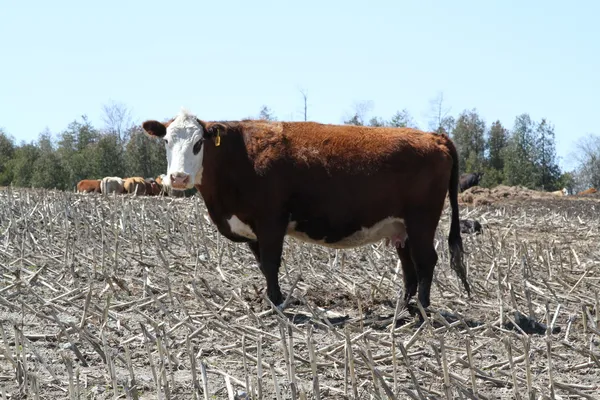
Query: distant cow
{"points": [[135, 185], [111, 184], [339, 186], [470, 226], [588, 191], [562, 192], [470, 180], [152, 187], [88, 186]]}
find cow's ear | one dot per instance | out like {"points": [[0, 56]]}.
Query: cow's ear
{"points": [[214, 131], [154, 128]]}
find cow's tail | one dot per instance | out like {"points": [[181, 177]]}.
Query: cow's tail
{"points": [[454, 240]]}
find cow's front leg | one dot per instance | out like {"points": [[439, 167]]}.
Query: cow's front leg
{"points": [[270, 247]]}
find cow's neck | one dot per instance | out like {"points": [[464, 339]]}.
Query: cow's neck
{"points": [[222, 191]]}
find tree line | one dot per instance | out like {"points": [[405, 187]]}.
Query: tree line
{"points": [[82, 151], [524, 154]]}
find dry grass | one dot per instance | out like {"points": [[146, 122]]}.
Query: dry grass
{"points": [[140, 298]]}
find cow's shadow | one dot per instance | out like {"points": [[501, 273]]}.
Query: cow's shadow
{"points": [[407, 315]]}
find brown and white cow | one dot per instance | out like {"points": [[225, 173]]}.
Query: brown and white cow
{"points": [[111, 184], [339, 186], [88, 186]]}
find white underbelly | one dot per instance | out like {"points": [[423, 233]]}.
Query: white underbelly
{"points": [[388, 228], [240, 228]]}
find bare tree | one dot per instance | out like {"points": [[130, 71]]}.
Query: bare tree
{"points": [[117, 119], [359, 114], [304, 97], [587, 159], [439, 117]]}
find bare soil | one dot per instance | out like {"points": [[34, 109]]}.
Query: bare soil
{"points": [[140, 297]]}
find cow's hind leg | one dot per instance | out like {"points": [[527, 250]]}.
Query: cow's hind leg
{"points": [[424, 256], [254, 248], [408, 270]]}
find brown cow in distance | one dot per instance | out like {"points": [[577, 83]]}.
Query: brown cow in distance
{"points": [[339, 186], [88, 186], [588, 191], [153, 188], [135, 185]]}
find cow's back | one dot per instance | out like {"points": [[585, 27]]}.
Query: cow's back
{"points": [[343, 149]]}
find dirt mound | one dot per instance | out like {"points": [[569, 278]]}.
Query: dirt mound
{"points": [[481, 196]]}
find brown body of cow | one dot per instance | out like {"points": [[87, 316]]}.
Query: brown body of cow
{"points": [[89, 186], [588, 191], [339, 186], [153, 188], [135, 185]]}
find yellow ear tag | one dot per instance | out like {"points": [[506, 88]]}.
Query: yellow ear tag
{"points": [[218, 139]]}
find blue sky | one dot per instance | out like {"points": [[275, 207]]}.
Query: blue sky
{"points": [[225, 59]]}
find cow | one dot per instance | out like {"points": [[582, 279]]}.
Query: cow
{"points": [[562, 192], [588, 191], [111, 184], [88, 186], [159, 179], [163, 187], [135, 185], [470, 180], [153, 188], [339, 186], [470, 226]]}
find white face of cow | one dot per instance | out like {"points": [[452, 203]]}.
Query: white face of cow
{"points": [[184, 146]]}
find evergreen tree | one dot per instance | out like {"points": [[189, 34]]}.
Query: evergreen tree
{"points": [[47, 169], [496, 144], [138, 154], [497, 140], [266, 113], [403, 119], [519, 161], [108, 156], [469, 136], [22, 164], [377, 121], [76, 151], [7, 152], [547, 170]]}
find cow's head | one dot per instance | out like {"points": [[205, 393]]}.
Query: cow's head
{"points": [[184, 138]]}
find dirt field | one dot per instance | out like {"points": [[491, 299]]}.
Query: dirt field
{"points": [[139, 297]]}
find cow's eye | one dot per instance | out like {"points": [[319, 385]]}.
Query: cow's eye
{"points": [[197, 147], [166, 141]]}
